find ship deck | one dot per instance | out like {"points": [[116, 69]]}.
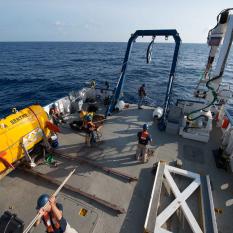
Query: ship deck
{"points": [[19, 191]]}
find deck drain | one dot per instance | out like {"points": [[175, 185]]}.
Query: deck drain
{"points": [[193, 153], [83, 212]]}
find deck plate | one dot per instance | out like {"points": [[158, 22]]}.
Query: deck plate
{"points": [[193, 153]]}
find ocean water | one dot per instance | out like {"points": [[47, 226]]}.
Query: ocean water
{"points": [[45, 71]]}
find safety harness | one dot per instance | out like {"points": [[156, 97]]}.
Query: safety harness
{"points": [[51, 225]]}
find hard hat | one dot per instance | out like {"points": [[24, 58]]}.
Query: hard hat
{"points": [[88, 118], [145, 126], [42, 200]]}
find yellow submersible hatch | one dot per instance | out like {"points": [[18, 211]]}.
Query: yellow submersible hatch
{"points": [[24, 128]]}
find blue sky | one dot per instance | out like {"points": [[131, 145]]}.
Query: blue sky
{"points": [[105, 20]]}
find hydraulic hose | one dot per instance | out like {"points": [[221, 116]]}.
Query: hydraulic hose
{"points": [[221, 18], [207, 106]]}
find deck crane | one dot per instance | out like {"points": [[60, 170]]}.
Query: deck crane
{"points": [[223, 30], [199, 120]]}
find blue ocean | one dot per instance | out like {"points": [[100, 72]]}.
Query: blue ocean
{"points": [[42, 72]]}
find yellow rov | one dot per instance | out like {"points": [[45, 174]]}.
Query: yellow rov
{"points": [[20, 132]]}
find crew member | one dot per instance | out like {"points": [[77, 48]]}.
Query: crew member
{"points": [[90, 128], [143, 140], [93, 84], [141, 95], [52, 215], [56, 115], [82, 114]]}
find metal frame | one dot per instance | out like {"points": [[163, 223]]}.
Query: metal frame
{"points": [[154, 222], [119, 87]]}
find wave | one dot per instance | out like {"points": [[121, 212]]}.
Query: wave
{"points": [[39, 72]]}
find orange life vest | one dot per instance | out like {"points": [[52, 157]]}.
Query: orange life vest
{"points": [[144, 135], [48, 222]]}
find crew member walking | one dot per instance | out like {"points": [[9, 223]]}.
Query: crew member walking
{"points": [[143, 140], [141, 95], [52, 215]]}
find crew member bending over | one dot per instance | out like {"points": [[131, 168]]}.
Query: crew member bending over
{"points": [[56, 115], [143, 140], [52, 215], [90, 128]]}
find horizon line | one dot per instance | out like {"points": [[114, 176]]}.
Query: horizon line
{"points": [[60, 41]]}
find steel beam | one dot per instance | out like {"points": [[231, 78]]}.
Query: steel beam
{"points": [[68, 187], [208, 215], [155, 199], [96, 165]]}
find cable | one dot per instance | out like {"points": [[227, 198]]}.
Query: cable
{"points": [[211, 103], [8, 224]]}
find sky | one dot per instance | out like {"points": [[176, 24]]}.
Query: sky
{"points": [[105, 20]]}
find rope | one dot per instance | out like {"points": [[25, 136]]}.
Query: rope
{"points": [[7, 224]]}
